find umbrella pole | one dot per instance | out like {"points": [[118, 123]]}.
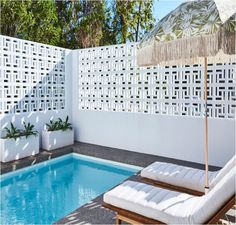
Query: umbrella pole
{"points": [[206, 127]]}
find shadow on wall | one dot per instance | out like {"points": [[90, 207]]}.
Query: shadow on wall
{"points": [[46, 100]]}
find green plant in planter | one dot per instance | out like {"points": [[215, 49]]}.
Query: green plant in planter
{"points": [[12, 132], [28, 130], [59, 125], [53, 125], [66, 125]]}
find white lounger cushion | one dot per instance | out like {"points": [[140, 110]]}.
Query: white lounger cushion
{"points": [[184, 176], [169, 206], [221, 173]]}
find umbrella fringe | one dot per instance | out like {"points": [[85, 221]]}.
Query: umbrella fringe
{"points": [[189, 50]]}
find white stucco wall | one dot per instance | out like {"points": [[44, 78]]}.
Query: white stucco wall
{"points": [[169, 136], [38, 118]]}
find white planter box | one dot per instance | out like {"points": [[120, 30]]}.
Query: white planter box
{"points": [[57, 139], [11, 149]]}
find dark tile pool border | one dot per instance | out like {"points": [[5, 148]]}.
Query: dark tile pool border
{"points": [[32, 160], [114, 154]]}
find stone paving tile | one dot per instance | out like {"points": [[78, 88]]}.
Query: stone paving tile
{"points": [[129, 157], [93, 212]]}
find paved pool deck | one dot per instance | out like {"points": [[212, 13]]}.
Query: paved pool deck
{"points": [[114, 154], [93, 212]]}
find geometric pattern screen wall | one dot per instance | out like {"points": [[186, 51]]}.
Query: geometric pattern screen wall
{"points": [[32, 76], [109, 80]]}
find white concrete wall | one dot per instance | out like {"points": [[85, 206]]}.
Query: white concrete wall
{"points": [[39, 119], [169, 136], [180, 137]]}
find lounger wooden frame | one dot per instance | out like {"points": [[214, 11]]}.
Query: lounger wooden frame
{"points": [[134, 218], [172, 187]]}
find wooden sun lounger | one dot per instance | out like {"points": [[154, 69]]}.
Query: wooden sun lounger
{"points": [[134, 218], [171, 187], [147, 176]]}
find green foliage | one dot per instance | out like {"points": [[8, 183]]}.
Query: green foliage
{"points": [[33, 20], [14, 132], [67, 19], [59, 125], [81, 22], [53, 125], [65, 125], [132, 19], [15, 17], [76, 23], [122, 18], [28, 130], [45, 27], [142, 20], [91, 17]]}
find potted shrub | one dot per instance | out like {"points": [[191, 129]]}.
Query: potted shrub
{"points": [[58, 134], [17, 144]]}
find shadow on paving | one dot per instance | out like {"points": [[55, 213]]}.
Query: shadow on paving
{"points": [[93, 212], [90, 213]]}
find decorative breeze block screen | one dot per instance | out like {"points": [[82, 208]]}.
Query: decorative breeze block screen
{"points": [[109, 80], [32, 76]]}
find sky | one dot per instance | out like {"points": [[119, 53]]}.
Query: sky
{"points": [[163, 7]]}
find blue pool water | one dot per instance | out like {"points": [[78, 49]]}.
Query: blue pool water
{"points": [[46, 192]]}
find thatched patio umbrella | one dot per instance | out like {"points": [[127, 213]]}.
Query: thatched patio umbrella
{"points": [[195, 32]]}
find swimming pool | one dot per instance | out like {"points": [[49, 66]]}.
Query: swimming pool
{"points": [[48, 191]]}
